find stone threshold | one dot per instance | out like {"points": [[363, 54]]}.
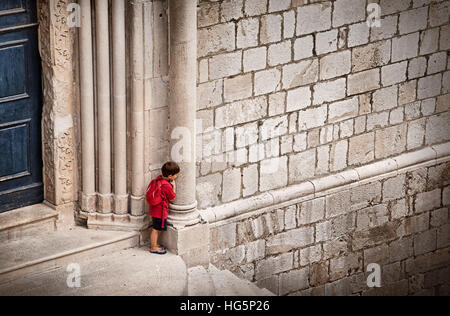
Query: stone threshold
{"points": [[323, 186], [26, 215]]}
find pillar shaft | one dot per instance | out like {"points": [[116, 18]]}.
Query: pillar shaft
{"points": [[182, 107], [87, 109], [137, 110], [103, 105], [120, 108]]}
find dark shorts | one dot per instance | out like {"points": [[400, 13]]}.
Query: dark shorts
{"points": [[160, 224]]}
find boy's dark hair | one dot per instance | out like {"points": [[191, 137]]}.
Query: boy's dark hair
{"points": [[170, 168]]}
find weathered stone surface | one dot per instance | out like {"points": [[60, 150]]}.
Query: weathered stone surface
{"points": [[348, 12], [280, 53], [270, 28], [425, 242], [209, 189], [273, 265], [238, 88], [241, 112], [301, 166], [294, 280], [303, 47], [273, 173], [311, 211], [405, 47], [255, 59], [300, 74], [371, 56], [363, 81], [339, 155], [427, 201], [338, 204], [285, 242], [390, 141], [361, 149], [329, 91], [250, 180], [223, 236], [394, 188], [343, 110], [217, 38], [267, 81], [437, 128], [335, 65], [312, 118], [326, 42], [313, 18], [298, 99], [413, 20], [255, 7], [225, 65]]}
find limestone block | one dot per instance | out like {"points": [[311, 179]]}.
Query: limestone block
{"points": [[299, 142], [302, 166], [290, 218], [392, 74], [277, 103], [313, 18], [267, 81], [238, 88], [285, 242], [323, 231], [385, 99], [255, 250], [379, 255], [413, 20], [255, 7], [208, 14], [279, 5], [446, 82], [443, 103], [429, 41], [338, 204], [437, 128], [439, 217], [405, 47], [223, 236], [407, 92], [387, 29], [311, 211], [399, 209], [241, 112], [417, 67], [310, 255], [300, 74], [217, 38], [416, 133], [208, 190], [371, 217], [298, 99], [427, 201], [323, 160], [255, 59], [343, 266], [250, 180], [390, 141], [279, 53], [326, 42], [389, 7], [339, 288], [225, 65], [417, 224], [329, 91], [439, 176], [335, 65], [358, 34], [363, 81], [231, 10], [247, 33], [273, 128], [348, 12], [339, 155], [361, 149], [343, 110], [425, 242], [439, 13], [303, 47], [442, 236], [231, 185], [401, 249], [394, 188], [294, 280], [273, 173], [289, 24], [371, 55], [246, 135], [437, 63], [286, 144], [273, 265], [311, 118], [270, 28]]}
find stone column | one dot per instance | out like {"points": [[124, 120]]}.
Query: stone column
{"points": [[137, 109], [186, 235], [120, 108], [103, 105], [87, 109]]}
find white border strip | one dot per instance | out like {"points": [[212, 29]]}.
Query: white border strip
{"points": [[329, 184]]}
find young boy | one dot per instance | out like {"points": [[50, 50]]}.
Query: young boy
{"points": [[170, 171]]}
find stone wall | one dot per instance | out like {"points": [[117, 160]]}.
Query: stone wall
{"points": [[336, 94], [322, 246], [333, 92]]}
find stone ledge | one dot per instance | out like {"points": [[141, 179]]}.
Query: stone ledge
{"points": [[328, 184], [26, 215]]}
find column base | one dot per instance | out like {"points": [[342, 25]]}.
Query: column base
{"points": [[137, 205], [88, 202], [113, 222], [105, 203], [190, 243], [121, 204]]}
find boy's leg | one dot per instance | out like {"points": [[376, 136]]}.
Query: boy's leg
{"points": [[154, 236]]}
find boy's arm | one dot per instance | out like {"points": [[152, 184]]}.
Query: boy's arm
{"points": [[171, 191]]}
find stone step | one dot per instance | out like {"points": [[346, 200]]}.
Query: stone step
{"points": [[130, 272], [228, 284], [29, 221], [200, 282], [57, 249]]}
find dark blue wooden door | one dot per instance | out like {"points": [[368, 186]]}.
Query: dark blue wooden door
{"points": [[20, 106]]}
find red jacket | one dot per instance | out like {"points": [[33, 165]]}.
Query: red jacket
{"points": [[162, 210]]}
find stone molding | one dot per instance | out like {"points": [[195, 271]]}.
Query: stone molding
{"points": [[329, 184]]}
